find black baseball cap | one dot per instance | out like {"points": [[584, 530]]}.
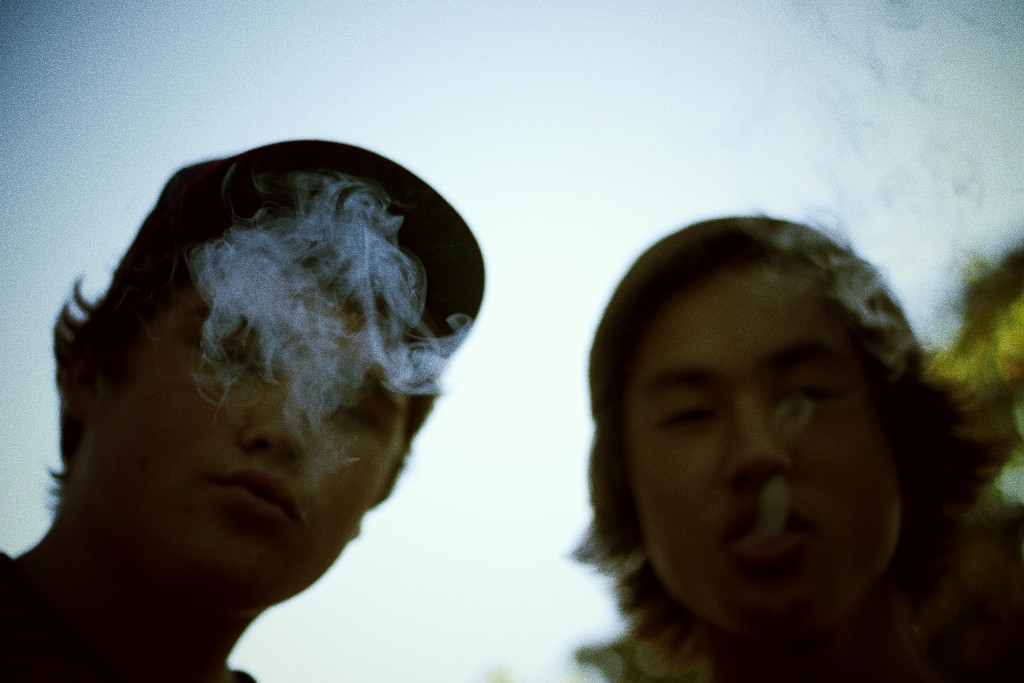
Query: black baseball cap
{"points": [[201, 201]]}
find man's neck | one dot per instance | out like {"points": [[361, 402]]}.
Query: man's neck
{"points": [[142, 631], [875, 644]]}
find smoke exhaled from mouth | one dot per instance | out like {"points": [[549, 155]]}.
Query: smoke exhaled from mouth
{"points": [[772, 510], [313, 292]]}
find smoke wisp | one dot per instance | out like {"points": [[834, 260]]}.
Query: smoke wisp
{"points": [[314, 292]]}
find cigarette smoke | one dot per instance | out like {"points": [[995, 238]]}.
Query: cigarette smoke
{"points": [[790, 416], [773, 510], [858, 288], [313, 292], [893, 118], [788, 419], [864, 295]]}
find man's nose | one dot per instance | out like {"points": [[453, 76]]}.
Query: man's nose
{"points": [[264, 430], [759, 443]]}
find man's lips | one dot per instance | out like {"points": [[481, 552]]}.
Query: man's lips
{"points": [[267, 487], [741, 522], [766, 554], [774, 557], [745, 518]]}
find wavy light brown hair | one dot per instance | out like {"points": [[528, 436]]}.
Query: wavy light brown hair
{"points": [[946, 451]]}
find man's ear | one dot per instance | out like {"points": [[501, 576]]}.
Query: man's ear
{"points": [[79, 389], [77, 384]]}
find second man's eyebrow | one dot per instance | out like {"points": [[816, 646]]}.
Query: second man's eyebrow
{"points": [[787, 358], [802, 353], [676, 378]]}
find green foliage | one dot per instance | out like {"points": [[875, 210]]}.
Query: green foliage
{"points": [[975, 624], [988, 351], [626, 661]]}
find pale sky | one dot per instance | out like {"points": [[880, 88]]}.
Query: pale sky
{"points": [[569, 135]]}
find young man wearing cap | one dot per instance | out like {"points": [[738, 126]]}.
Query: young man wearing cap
{"points": [[246, 390], [775, 478]]}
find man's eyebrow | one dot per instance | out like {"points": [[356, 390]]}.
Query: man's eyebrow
{"points": [[804, 353], [677, 378], [785, 359]]}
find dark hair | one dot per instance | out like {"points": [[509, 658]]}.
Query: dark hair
{"points": [[201, 202], [944, 452]]}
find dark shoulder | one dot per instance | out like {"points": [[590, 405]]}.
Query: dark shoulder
{"points": [[35, 645]]}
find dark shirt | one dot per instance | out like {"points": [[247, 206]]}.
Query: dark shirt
{"points": [[35, 644]]}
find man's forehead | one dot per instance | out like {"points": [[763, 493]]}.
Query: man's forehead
{"points": [[744, 299], [756, 317]]}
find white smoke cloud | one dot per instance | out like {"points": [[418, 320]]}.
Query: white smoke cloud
{"points": [[313, 292]]}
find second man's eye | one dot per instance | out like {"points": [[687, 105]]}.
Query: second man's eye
{"points": [[816, 392], [690, 416]]}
